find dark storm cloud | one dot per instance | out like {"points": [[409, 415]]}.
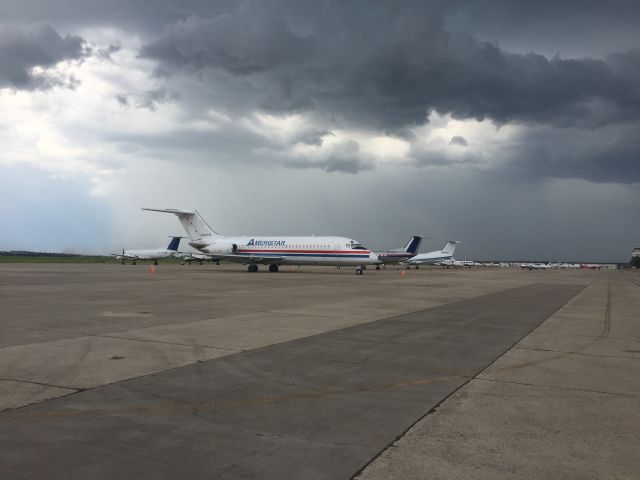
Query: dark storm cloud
{"points": [[140, 16], [459, 141], [345, 157], [22, 50], [392, 67], [238, 45], [149, 99], [574, 28], [384, 66], [605, 155], [311, 136], [333, 163]]}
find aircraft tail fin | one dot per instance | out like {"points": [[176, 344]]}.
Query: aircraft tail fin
{"points": [[413, 244], [192, 222], [449, 247], [174, 243]]}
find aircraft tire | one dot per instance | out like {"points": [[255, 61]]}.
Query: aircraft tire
{"points": [[273, 267]]}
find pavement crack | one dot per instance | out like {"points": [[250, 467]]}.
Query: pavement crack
{"points": [[75, 389], [556, 387], [280, 435], [577, 352], [606, 329], [165, 343]]}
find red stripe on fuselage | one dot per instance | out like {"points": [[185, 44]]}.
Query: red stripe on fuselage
{"points": [[341, 252]]}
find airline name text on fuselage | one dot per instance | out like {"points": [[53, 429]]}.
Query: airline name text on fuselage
{"points": [[266, 243]]}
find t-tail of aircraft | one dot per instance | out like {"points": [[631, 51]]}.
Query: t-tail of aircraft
{"points": [[413, 245], [449, 248], [199, 231]]}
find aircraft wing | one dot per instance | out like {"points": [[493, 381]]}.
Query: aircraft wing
{"points": [[198, 257], [124, 255], [258, 259]]}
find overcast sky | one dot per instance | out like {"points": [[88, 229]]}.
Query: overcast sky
{"points": [[511, 126]]}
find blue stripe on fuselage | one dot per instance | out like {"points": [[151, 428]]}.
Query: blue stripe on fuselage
{"points": [[287, 254]]}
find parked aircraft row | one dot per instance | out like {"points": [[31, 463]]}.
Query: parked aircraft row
{"points": [[305, 250], [561, 265], [281, 250]]}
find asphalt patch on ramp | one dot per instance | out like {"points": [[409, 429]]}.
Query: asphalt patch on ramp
{"points": [[321, 407]]}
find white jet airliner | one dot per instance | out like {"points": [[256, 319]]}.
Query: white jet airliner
{"points": [[150, 254], [273, 251], [436, 256]]}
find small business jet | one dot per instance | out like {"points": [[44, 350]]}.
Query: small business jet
{"points": [[437, 256], [452, 262], [273, 251], [535, 266], [150, 254], [396, 256]]}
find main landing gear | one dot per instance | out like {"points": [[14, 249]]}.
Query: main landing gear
{"points": [[254, 268]]}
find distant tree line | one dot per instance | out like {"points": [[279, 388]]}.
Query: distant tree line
{"points": [[22, 253]]}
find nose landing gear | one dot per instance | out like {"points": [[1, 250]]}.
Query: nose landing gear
{"points": [[273, 268]]}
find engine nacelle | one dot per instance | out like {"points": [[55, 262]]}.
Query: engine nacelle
{"points": [[221, 248]]}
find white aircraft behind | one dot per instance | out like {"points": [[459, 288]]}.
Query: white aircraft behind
{"points": [[446, 253], [150, 254], [396, 256], [535, 266], [273, 251], [452, 262]]}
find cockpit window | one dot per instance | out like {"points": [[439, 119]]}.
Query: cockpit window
{"points": [[355, 246]]}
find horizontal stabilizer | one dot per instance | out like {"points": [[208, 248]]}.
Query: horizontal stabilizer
{"points": [[198, 229], [169, 210]]}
